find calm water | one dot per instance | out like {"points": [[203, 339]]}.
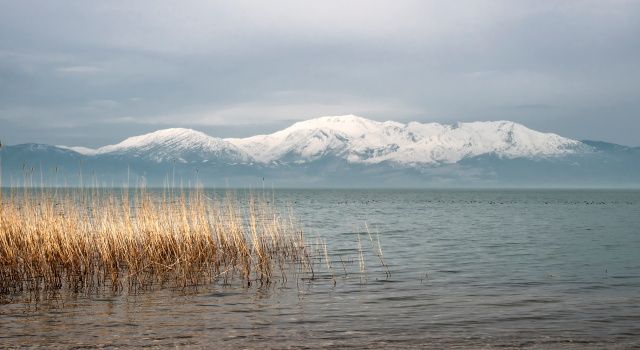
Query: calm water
{"points": [[469, 269]]}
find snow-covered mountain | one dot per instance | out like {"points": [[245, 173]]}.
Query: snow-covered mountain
{"points": [[181, 145], [341, 151], [352, 138], [360, 140]]}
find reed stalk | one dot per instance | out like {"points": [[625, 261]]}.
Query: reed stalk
{"points": [[88, 240]]}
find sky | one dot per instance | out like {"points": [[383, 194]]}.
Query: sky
{"points": [[92, 73]]}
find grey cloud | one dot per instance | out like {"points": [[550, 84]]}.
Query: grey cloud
{"points": [[249, 66]]}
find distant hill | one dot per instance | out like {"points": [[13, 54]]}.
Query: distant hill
{"points": [[340, 151]]}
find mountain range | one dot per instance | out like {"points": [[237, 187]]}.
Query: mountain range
{"points": [[335, 151]]}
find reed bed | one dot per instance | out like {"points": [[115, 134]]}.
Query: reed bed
{"points": [[91, 240]]}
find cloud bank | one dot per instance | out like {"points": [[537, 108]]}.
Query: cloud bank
{"points": [[77, 72]]}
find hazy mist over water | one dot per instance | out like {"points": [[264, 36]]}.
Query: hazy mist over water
{"points": [[469, 269]]}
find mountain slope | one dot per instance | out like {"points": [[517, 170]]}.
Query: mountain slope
{"points": [[359, 140], [343, 151], [181, 145]]}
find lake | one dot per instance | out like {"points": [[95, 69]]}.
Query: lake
{"points": [[464, 269]]}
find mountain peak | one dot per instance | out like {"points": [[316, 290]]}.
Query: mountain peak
{"points": [[339, 121], [354, 139], [343, 119], [361, 140], [163, 135], [339, 149], [181, 144], [351, 125]]}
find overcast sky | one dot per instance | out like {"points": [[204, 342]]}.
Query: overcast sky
{"points": [[94, 72]]}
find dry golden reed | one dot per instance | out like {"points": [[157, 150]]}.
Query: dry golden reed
{"points": [[87, 240]]}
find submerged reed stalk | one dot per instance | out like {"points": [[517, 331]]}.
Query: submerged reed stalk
{"points": [[87, 240]]}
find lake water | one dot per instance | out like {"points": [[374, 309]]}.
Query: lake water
{"points": [[468, 269]]}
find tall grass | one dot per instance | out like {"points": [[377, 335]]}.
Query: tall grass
{"points": [[86, 240]]}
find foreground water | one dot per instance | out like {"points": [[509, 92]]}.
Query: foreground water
{"points": [[468, 269]]}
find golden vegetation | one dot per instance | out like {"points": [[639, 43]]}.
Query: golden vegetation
{"points": [[86, 240]]}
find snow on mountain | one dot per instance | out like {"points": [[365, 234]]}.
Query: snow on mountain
{"points": [[79, 149], [353, 138], [361, 140], [183, 145], [310, 139]]}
